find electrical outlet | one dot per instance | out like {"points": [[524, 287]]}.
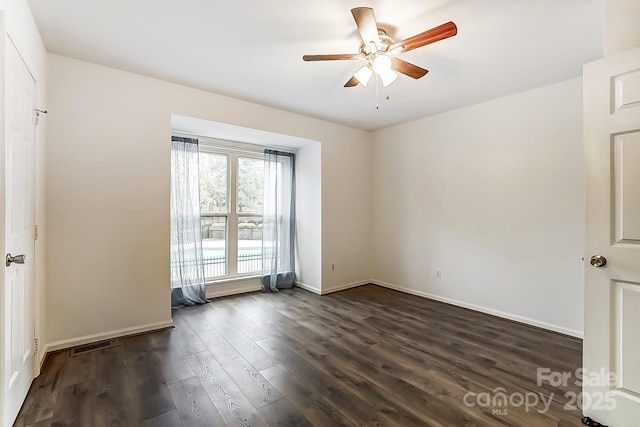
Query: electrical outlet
{"points": [[333, 267], [438, 274]]}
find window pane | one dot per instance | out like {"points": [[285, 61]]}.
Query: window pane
{"points": [[250, 185], [249, 244], [214, 248], [213, 183]]}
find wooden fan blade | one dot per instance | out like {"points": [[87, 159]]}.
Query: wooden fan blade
{"points": [[352, 82], [430, 36], [407, 68], [331, 57], [367, 26]]}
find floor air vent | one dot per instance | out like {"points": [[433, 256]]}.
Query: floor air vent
{"points": [[94, 346]]}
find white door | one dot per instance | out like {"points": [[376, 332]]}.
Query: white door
{"points": [[18, 298], [612, 290]]}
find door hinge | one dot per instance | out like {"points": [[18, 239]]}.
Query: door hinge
{"points": [[36, 345], [38, 112], [35, 232]]}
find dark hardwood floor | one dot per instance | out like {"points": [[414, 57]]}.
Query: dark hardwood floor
{"points": [[365, 356]]}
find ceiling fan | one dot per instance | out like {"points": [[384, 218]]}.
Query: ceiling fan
{"points": [[380, 51]]}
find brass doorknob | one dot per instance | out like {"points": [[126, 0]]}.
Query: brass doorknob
{"points": [[598, 261]]}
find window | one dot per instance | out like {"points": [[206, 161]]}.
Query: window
{"points": [[231, 194]]}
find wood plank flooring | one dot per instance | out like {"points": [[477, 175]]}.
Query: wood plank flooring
{"points": [[367, 356]]}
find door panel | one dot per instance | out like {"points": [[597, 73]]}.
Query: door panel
{"points": [[611, 393], [627, 90], [627, 187], [19, 190], [627, 346]]}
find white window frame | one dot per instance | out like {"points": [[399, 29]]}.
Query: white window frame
{"points": [[233, 151]]}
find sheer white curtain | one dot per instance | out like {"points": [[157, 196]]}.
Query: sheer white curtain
{"points": [[278, 228], [187, 269]]}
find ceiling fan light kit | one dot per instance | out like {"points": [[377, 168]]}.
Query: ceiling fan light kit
{"points": [[380, 51], [381, 64], [363, 74], [388, 77]]}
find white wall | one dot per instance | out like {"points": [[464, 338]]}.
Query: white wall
{"points": [[108, 195], [346, 200], [622, 31], [21, 29], [492, 195], [309, 217]]}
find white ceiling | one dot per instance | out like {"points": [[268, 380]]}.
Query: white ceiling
{"points": [[253, 49]]}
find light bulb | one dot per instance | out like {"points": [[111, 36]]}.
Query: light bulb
{"points": [[381, 64], [388, 77], [363, 75]]}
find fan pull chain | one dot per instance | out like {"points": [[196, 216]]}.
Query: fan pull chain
{"points": [[387, 96]]}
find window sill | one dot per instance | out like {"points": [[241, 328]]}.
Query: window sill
{"points": [[233, 286], [214, 282]]}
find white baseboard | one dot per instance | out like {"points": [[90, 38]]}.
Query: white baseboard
{"points": [[233, 288], [308, 288], [498, 313], [41, 356], [73, 342], [346, 286]]}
